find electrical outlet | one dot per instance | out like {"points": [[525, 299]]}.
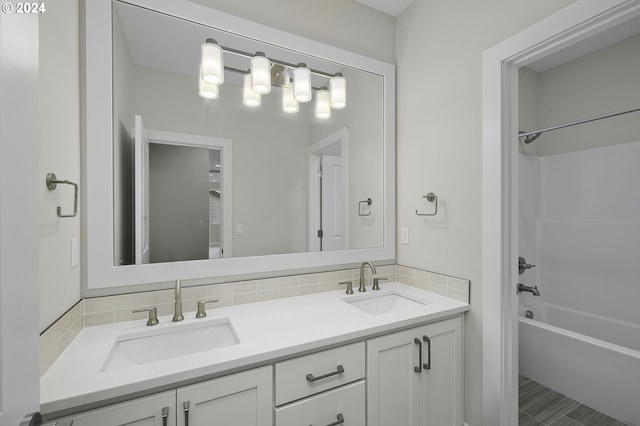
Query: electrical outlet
{"points": [[404, 235], [75, 252]]}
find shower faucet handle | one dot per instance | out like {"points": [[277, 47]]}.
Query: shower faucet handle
{"points": [[523, 265]]}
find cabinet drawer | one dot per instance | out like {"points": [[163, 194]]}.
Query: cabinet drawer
{"points": [[345, 403], [308, 375]]}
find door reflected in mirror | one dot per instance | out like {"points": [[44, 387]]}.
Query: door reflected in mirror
{"points": [[294, 181]]}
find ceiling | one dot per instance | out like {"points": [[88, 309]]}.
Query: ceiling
{"points": [[390, 7]]}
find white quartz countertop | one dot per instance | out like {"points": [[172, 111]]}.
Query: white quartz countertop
{"points": [[265, 330]]}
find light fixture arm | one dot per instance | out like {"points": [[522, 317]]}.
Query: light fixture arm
{"points": [[275, 61]]}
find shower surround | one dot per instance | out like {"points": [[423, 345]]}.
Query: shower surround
{"points": [[580, 224]]}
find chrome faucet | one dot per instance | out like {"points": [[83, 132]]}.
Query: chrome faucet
{"points": [[362, 266], [533, 290], [177, 316]]}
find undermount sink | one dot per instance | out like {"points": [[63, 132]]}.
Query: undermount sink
{"points": [[378, 304], [170, 342]]}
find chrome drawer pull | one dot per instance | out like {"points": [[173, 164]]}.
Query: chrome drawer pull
{"points": [[338, 422], [427, 365], [418, 369], [312, 378], [185, 407], [165, 416]]}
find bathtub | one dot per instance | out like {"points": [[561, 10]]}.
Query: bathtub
{"points": [[592, 359]]}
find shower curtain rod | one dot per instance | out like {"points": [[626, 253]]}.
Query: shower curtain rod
{"points": [[531, 136]]}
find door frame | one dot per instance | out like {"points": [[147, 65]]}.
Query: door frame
{"points": [[226, 155], [21, 184], [569, 26], [313, 216]]}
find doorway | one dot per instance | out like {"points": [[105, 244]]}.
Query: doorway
{"points": [[328, 193], [573, 28], [214, 156]]}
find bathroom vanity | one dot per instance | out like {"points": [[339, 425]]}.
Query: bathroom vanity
{"points": [[310, 359]]}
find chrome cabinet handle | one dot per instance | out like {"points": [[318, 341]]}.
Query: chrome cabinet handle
{"points": [[185, 407], [418, 369], [337, 422], [427, 365], [165, 416], [312, 378]]}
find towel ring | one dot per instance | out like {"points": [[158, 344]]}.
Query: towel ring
{"points": [[368, 201], [52, 182], [431, 197]]}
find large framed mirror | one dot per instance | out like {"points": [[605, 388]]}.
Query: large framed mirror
{"points": [[185, 179]]}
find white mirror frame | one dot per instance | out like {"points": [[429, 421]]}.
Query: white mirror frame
{"points": [[99, 271]]}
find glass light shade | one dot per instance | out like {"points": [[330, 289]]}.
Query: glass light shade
{"points": [[323, 109], [208, 90], [289, 104], [260, 73], [302, 83], [338, 91], [211, 62], [249, 97]]}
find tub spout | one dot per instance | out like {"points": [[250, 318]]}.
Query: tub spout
{"points": [[533, 290]]}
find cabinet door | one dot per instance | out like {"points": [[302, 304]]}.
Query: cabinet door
{"points": [[441, 382], [243, 399], [393, 380], [154, 410]]}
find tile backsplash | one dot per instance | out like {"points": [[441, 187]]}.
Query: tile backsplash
{"points": [[111, 309]]}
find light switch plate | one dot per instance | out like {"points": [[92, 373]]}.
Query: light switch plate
{"points": [[75, 252], [239, 229], [404, 235]]}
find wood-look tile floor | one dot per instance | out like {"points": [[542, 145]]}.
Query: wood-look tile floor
{"points": [[541, 406]]}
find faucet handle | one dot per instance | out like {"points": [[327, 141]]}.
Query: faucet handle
{"points": [[376, 280], [153, 314], [201, 311], [349, 286]]}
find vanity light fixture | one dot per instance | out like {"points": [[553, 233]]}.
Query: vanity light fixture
{"points": [[211, 62], [207, 90], [260, 73], [249, 97], [289, 104], [302, 83], [323, 109], [258, 80], [338, 91]]}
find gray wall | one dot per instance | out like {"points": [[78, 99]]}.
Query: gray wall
{"points": [[599, 83], [346, 24], [178, 203], [58, 124], [123, 219], [439, 46], [268, 160], [364, 119]]}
